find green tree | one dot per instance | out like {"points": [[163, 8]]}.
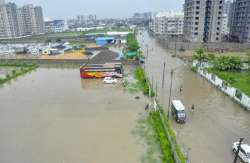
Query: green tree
{"points": [[200, 56], [132, 42]]}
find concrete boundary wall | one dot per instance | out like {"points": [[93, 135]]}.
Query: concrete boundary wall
{"points": [[222, 46], [222, 85]]}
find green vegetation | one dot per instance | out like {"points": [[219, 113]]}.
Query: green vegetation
{"points": [[194, 69], [227, 63], [105, 30], [146, 135], [22, 69], [248, 52], [200, 56], [237, 79], [160, 135], [132, 42], [228, 68], [143, 83], [173, 137], [165, 136]]}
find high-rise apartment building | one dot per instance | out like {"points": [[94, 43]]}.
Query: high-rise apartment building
{"points": [[11, 9], [167, 24], [29, 19], [203, 20], [39, 20], [16, 22], [240, 22], [5, 31]]}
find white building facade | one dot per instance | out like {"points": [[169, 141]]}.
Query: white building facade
{"points": [[17, 22], [167, 24]]}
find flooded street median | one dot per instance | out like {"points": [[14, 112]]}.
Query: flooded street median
{"points": [[216, 122], [52, 116]]}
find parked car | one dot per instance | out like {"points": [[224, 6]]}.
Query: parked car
{"points": [[244, 152], [178, 110], [109, 80]]}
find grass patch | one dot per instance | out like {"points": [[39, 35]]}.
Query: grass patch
{"points": [[146, 135], [237, 79], [173, 137], [22, 69], [160, 135], [143, 82]]}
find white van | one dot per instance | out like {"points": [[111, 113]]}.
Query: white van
{"points": [[178, 111]]}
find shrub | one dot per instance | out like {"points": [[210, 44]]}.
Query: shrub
{"points": [[194, 69], [200, 56], [161, 136], [14, 72], [248, 52], [132, 42], [211, 57], [142, 80]]}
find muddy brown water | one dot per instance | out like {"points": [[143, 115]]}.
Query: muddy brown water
{"points": [[217, 121], [52, 116]]}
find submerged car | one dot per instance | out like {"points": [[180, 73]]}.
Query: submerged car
{"points": [[244, 151], [110, 80]]}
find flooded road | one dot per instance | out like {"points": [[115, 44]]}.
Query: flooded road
{"points": [[216, 122], [52, 116]]}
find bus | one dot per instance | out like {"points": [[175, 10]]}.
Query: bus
{"points": [[88, 71]]}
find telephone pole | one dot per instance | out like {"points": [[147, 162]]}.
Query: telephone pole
{"points": [[170, 93], [163, 75]]}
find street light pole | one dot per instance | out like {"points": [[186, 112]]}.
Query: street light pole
{"points": [[238, 150], [163, 75], [170, 93]]}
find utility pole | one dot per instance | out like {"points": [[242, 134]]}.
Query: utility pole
{"points": [[238, 150], [156, 92], [175, 47], [170, 93], [147, 50], [146, 57], [163, 75]]}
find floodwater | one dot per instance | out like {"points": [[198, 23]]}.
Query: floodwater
{"points": [[6, 70], [217, 121], [52, 116]]}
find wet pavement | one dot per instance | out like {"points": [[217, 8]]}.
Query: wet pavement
{"points": [[52, 116], [217, 121]]}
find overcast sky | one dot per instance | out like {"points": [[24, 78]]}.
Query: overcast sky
{"points": [[60, 9]]}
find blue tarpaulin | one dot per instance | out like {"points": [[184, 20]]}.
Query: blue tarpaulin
{"points": [[103, 40]]}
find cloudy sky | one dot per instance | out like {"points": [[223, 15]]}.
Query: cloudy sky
{"points": [[56, 9]]}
